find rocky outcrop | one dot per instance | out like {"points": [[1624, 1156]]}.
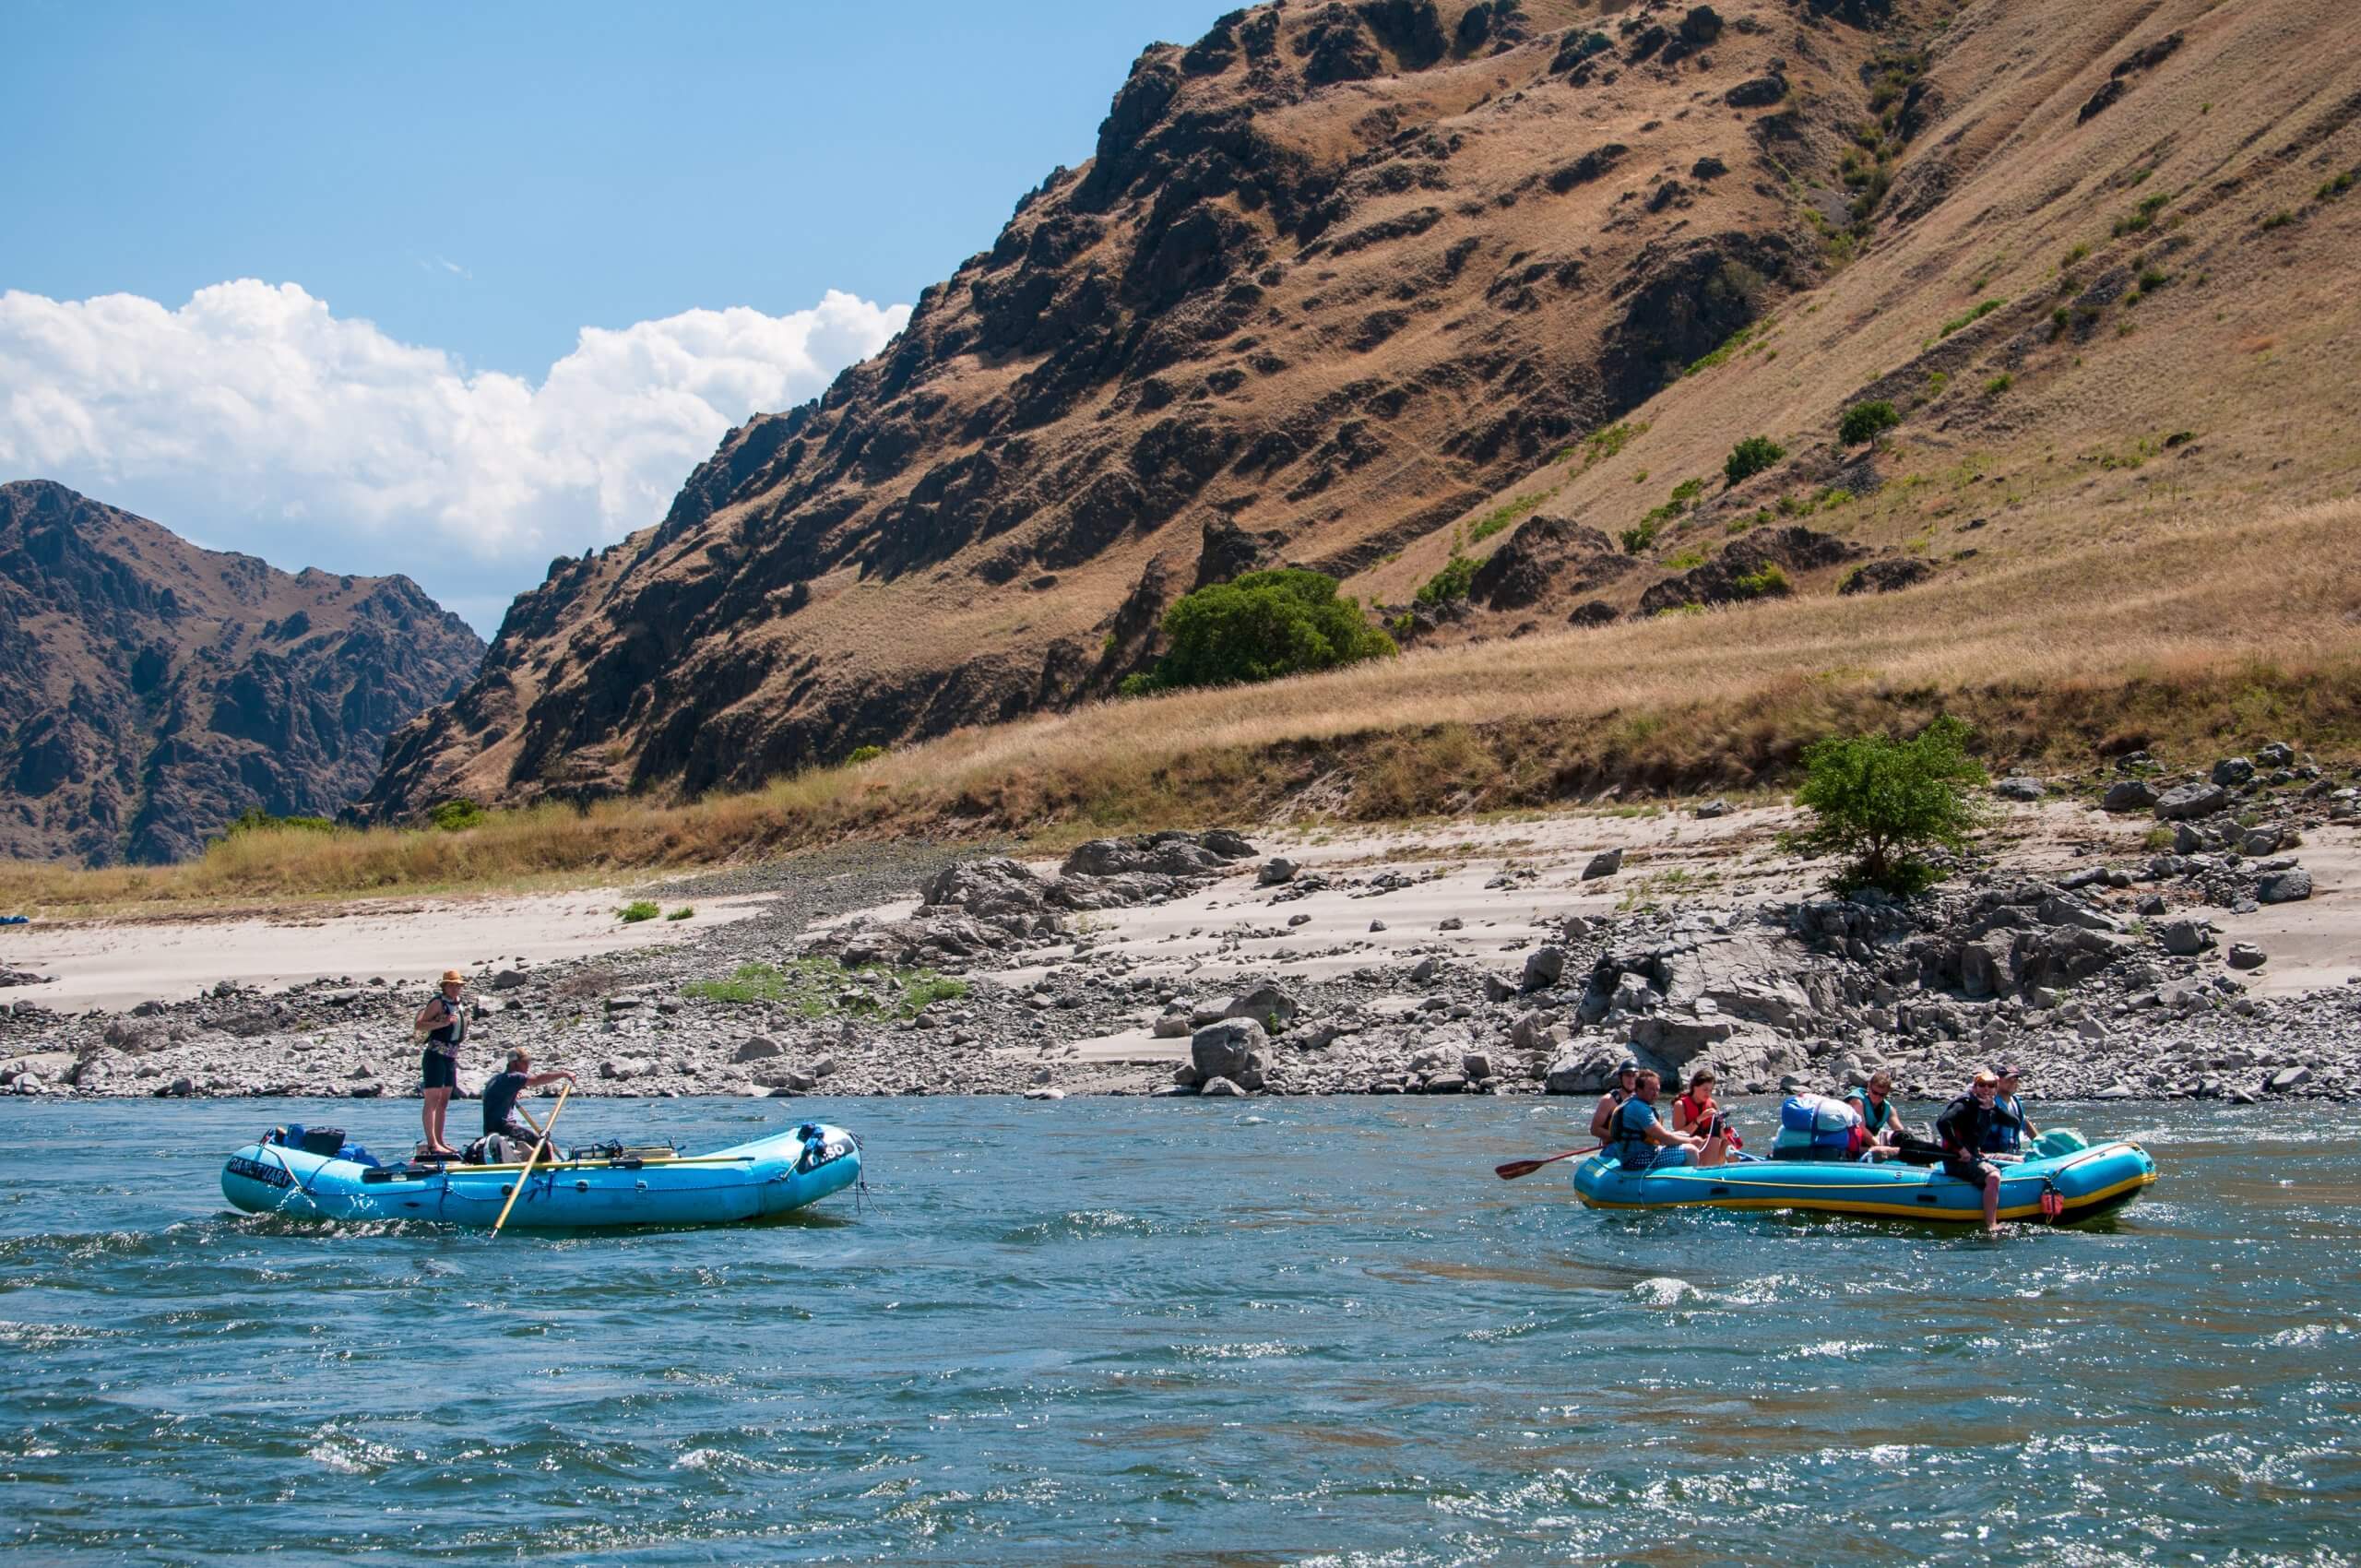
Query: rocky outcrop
{"points": [[1755, 567], [151, 691], [1547, 556], [1313, 296]]}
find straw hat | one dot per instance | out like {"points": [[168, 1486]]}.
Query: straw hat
{"points": [[453, 977]]}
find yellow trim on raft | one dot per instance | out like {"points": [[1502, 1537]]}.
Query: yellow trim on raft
{"points": [[1913, 1210]]}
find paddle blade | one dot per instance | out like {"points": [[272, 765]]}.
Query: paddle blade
{"points": [[1516, 1167]]}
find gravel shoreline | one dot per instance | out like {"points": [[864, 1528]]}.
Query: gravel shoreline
{"points": [[976, 974]]}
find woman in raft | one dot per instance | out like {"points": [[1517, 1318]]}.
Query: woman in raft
{"points": [[1696, 1110]]}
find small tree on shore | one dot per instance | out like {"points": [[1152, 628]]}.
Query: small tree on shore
{"points": [[1263, 625], [1880, 804]]}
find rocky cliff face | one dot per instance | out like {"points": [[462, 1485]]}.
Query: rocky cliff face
{"points": [[1335, 274], [151, 691]]}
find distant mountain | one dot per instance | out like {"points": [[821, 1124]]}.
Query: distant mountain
{"points": [[151, 691], [1470, 305]]}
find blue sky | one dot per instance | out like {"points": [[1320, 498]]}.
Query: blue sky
{"points": [[484, 183]]}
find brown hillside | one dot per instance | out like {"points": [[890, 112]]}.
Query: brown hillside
{"points": [[150, 691], [1363, 288]]}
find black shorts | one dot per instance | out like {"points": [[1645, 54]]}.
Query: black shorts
{"points": [[1977, 1171], [437, 1070]]}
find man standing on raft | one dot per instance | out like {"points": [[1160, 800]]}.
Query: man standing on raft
{"points": [[442, 1025]]}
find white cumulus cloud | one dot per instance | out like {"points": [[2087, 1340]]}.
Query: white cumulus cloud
{"points": [[255, 418]]}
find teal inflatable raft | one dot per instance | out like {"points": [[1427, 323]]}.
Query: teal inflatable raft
{"points": [[588, 1191], [2082, 1183]]}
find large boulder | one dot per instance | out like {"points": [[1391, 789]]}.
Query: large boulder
{"points": [[2233, 771], [1543, 967], [1607, 863], [1236, 1049], [996, 889], [1265, 1003], [2284, 887], [2185, 801], [2128, 795], [2185, 938], [1582, 1072]]}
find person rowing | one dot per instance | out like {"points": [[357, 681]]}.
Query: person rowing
{"points": [[502, 1117]]}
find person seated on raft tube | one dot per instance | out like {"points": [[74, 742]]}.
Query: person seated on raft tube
{"points": [[2011, 1127], [1643, 1143], [1963, 1126], [1874, 1100], [1602, 1115], [501, 1094], [1695, 1109]]}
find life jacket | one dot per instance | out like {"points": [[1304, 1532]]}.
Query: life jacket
{"points": [[1697, 1118], [1631, 1145], [446, 1036], [1873, 1115], [2006, 1124]]}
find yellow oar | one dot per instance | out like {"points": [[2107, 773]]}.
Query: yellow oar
{"points": [[539, 1145]]}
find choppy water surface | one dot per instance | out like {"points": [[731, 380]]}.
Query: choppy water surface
{"points": [[1288, 1332]]}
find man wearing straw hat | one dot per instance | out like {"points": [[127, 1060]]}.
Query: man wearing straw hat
{"points": [[442, 1025]]}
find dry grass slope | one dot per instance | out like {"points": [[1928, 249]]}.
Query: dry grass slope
{"points": [[2055, 661]]}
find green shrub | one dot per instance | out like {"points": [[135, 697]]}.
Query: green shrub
{"points": [[1601, 444], [1450, 583], [2332, 189], [1768, 582], [1999, 385], [638, 909], [254, 819], [2140, 220], [1866, 421], [1688, 559], [1688, 489], [1637, 539], [2279, 220], [1879, 803], [1957, 323], [1263, 625], [864, 754], [1749, 458], [1502, 517], [456, 815], [684, 912]]}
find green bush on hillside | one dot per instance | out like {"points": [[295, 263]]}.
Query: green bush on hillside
{"points": [[1866, 421], [859, 755], [1263, 625], [1879, 803], [454, 816], [1458, 575], [1751, 456], [254, 819]]}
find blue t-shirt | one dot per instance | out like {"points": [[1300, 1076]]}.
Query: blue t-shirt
{"points": [[1632, 1119], [500, 1094]]}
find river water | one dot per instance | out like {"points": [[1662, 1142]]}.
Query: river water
{"points": [[1274, 1332]]}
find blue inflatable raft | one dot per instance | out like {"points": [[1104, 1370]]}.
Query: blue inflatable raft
{"points": [[607, 1189], [2085, 1181]]}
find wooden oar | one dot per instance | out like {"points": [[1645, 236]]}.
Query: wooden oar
{"points": [[527, 1174], [1516, 1167]]}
